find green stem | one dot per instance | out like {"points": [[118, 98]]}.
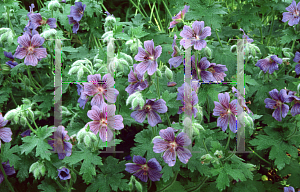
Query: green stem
{"points": [[73, 169], [271, 27], [260, 156], [14, 99], [167, 8], [166, 187], [143, 9], [293, 45], [30, 127], [228, 140], [291, 134], [161, 27], [283, 67], [205, 146], [26, 88], [137, 8], [219, 38], [39, 76], [32, 79], [9, 22], [4, 174], [261, 36], [150, 184], [34, 121], [200, 185], [58, 183], [229, 156], [151, 10], [103, 6]]}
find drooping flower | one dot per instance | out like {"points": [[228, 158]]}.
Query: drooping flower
{"points": [[77, 11], [201, 66], [293, 14], [28, 26], [297, 60], [5, 132], [142, 169], [76, 24], [83, 99], [246, 36], [12, 63], [59, 144], [36, 20], [242, 103], [172, 146], [148, 57], [100, 88], [197, 34], [64, 173], [292, 97], [179, 17], [277, 103], [191, 101], [288, 189], [9, 170], [227, 112], [269, 64], [137, 82], [150, 109], [30, 49], [104, 121], [26, 133], [177, 57]]}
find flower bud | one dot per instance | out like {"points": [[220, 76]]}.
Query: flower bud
{"points": [[53, 5], [80, 73], [132, 96], [199, 114], [86, 136], [38, 169], [11, 114], [219, 154], [65, 111], [3, 37], [207, 52], [206, 158], [5, 68], [169, 74], [23, 120], [130, 186], [196, 131], [16, 119], [138, 185], [158, 73]]}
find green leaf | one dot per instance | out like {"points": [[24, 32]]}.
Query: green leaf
{"points": [[24, 167], [122, 36], [8, 154], [169, 98], [294, 169], [222, 180], [47, 185], [138, 32], [38, 141], [4, 94], [16, 69]]}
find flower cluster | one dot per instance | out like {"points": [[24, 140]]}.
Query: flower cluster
{"points": [[76, 15]]}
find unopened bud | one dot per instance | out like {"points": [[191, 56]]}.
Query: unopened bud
{"points": [[219, 154], [169, 74], [138, 186], [206, 158], [158, 73]]}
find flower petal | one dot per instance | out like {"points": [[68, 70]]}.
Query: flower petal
{"points": [[183, 154], [167, 134]]}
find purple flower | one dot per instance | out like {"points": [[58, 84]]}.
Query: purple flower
{"points": [[179, 17], [246, 36], [277, 103], [77, 11], [171, 84], [7, 169], [127, 158], [291, 97], [104, 120], [28, 26], [58, 144], [83, 99], [76, 24], [142, 169], [201, 66], [63, 1], [242, 104], [176, 59], [30, 49], [150, 109], [288, 189], [197, 34], [108, 14], [227, 112], [194, 84], [293, 14], [148, 57], [269, 64], [5, 132], [172, 145], [101, 88], [217, 71], [297, 60], [64, 173], [136, 81], [36, 21], [190, 103], [26, 133], [11, 62]]}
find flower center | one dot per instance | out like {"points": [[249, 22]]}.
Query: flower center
{"points": [[145, 169], [148, 108], [43, 22], [296, 13], [103, 121], [278, 103], [100, 89], [81, 12], [30, 49]]}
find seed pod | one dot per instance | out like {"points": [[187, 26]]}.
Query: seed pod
{"points": [[158, 73], [42, 169], [33, 166]]}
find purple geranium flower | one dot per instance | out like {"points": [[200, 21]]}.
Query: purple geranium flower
{"points": [[177, 58], [58, 144], [292, 97], [9, 170], [5, 132], [83, 99], [36, 21], [201, 66], [197, 34], [226, 111], [246, 36], [104, 120], [171, 84], [128, 157], [217, 71], [30, 49], [194, 84], [101, 88], [179, 17], [11, 62], [26, 133], [277, 103], [191, 101], [150, 109], [288, 189], [137, 82], [64, 173], [297, 60], [243, 103], [148, 57], [77, 11], [269, 64], [28, 26], [76, 24], [293, 14], [144, 169], [172, 145]]}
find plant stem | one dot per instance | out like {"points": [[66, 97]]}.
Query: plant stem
{"points": [[32, 79], [228, 140], [260, 156], [205, 146], [137, 8], [150, 184], [219, 38], [34, 121], [8, 17], [59, 184], [30, 127], [166, 187], [293, 45], [143, 9], [25, 87], [39, 76], [14, 99], [158, 17], [271, 27], [261, 36], [167, 8], [200, 185]]}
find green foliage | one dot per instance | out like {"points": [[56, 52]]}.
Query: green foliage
{"points": [[8, 154], [294, 169]]}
